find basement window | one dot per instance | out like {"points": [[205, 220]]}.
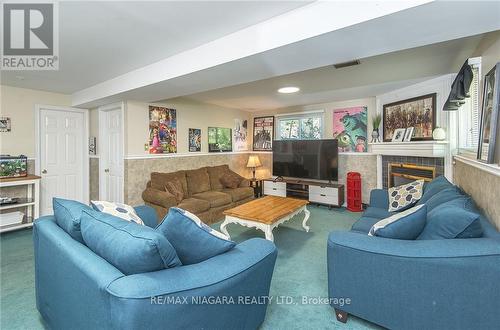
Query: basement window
{"points": [[469, 115], [300, 126]]}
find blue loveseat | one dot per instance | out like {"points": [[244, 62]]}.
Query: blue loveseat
{"points": [[415, 284], [77, 289]]}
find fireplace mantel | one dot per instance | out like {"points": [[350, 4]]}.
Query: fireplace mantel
{"points": [[413, 148]]}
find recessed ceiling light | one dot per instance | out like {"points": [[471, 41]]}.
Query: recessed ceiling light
{"points": [[288, 90]]}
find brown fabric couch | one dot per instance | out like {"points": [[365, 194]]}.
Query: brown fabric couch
{"points": [[204, 195]]}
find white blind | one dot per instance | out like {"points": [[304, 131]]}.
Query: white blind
{"points": [[470, 112]]}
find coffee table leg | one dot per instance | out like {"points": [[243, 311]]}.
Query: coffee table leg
{"points": [[269, 233], [306, 217], [223, 228]]}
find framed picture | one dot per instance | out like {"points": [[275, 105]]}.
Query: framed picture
{"points": [[263, 133], [399, 135], [350, 129], [4, 124], [219, 139], [418, 112], [489, 115], [408, 134], [162, 130], [194, 137], [240, 135]]}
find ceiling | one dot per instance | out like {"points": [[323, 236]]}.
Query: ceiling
{"points": [[101, 40], [376, 75]]}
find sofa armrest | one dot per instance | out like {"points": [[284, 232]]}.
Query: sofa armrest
{"points": [[159, 197], [379, 198], [147, 214]]}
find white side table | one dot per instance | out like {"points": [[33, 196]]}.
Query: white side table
{"points": [[31, 202]]}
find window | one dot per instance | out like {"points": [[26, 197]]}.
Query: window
{"points": [[305, 126], [469, 115]]}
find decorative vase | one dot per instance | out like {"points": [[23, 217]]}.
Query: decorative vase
{"points": [[375, 135], [439, 134]]}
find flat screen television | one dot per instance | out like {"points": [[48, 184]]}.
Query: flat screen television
{"points": [[306, 159]]}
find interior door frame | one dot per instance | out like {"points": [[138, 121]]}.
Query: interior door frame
{"points": [[85, 112], [102, 138]]}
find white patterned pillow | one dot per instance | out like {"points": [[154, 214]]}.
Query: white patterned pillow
{"points": [[404, 196], [202, 225], [123, 211]]}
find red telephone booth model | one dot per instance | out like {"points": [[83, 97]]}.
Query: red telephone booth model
{"points": [[354, 192]]}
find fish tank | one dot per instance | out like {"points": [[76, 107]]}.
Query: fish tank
{"points": [[13, 166]]}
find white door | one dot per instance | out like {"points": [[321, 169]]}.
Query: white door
{"points": [[111, 153], [62, 155]]}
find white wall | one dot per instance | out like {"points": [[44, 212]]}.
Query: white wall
{"points": [[19, 104]]}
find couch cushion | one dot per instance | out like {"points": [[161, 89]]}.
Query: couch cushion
{"points": [[120, 210], [404, 196], [215, 198], [452, 219], [215, 173], [443, 196], [68, 213], [407, 224], [231, 180], [192, 239], [159, 180], [239, 194], [198, 181], [433, 187], [377, 212], [130, 247], [194, 205], [364, 224]]}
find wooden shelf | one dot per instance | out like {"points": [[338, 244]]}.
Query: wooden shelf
{"points": [[23, 202]]}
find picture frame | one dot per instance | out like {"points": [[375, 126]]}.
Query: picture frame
{"points": [[240, 135], [489, 116], [5, 124], [350, 128], [220, 139], [162, 130], [263, 133], [194, 140], [399, 135], [408, 134], [417, 112]]}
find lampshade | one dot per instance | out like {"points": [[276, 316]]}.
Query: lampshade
{"points": [[253, 161]]}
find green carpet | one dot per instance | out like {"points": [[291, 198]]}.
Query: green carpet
{"points": [[300, 272]]}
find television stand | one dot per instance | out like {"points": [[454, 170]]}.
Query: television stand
{"points": [[330, 194]]}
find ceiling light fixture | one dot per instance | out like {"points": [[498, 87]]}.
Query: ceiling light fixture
{"points": [[288, 90], [346, 64]]}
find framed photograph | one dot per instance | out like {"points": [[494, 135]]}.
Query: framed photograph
{"points": [[399, 135], [219, 139], [194, 140], [408, 134], [350, 129], [263, 133], [4, 124], [162, 130], [418, 112], [240, 135], [489, 116]]}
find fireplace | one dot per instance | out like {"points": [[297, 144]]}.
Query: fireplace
{"points": [[399, 173], [398, 170]]}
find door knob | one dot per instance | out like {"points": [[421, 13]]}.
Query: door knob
{"points": [[106, 170], [44, 171]]}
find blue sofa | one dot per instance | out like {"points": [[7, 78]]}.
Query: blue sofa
{"points": [[77, 289], [414, 284]]}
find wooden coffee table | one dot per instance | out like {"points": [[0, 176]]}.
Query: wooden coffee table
{"points": [[266, 213]]}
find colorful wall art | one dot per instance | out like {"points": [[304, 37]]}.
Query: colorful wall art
{"points": [[350, 128], [194, 140], [162, 130]]}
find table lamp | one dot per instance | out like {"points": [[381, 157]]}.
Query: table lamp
{"points": [[253, 162]]}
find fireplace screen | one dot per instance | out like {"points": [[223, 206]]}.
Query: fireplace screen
{"points": [[404, 173]]}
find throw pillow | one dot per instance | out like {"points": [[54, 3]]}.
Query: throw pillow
{"points": [[402, 197], [193, 240], [68, 214], [231, 180], [175, 188], [433, 187], [407, 224], [443, 196], [122, 211], [452, 219], [131, 248]]}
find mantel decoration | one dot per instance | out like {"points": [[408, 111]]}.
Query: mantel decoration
{"points": [[162, 130], [376, 120], [219, 139], [350, 129], [439, 134], [489, 115], [418, 112], [399, 135], [263, 133]]}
